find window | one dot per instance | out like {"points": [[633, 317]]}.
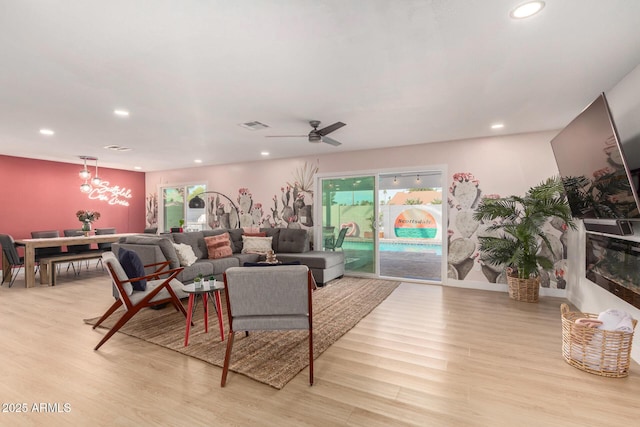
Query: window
{"points": [[181, 207]]}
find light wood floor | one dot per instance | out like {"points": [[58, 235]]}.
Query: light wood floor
{"points": [[427, 356]]}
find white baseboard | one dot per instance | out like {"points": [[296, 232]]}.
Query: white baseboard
{"points": [[500, 287]]}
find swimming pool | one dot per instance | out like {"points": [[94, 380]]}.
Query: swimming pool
{"points": [[390, 246]]}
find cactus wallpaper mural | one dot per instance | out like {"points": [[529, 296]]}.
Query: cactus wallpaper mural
{"points": [[221, 211], [290, 207], [464, 259], [151, 210]]}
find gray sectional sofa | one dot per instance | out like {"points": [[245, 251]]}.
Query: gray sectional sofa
{"points": [[290, 245]]}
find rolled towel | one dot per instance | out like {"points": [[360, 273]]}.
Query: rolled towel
{"points": [[625, 325], [611, 318]]}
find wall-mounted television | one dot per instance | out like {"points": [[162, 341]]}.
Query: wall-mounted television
{"points": [[594, 170], [624, 104]]}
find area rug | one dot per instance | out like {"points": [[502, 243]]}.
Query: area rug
{"points": [[272, 358]]}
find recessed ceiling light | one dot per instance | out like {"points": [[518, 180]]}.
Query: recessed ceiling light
{"points": [[137, 168], [526, 10], [497, 126], [264, 153], [121, 113], [197, 161], [46, 132]]}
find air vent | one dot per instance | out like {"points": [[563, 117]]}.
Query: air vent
{"points": [[117, 148], [253, 125]]}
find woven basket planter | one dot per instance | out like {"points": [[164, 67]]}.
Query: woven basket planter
{"points": [[526, 290], [599, 352]]}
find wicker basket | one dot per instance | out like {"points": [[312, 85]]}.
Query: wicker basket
{"points": [[526, 290], [605, 353]]}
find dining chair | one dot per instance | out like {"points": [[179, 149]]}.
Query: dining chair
{"points": [[157, 290], [48, 251], [268, 299], [104, 246], [12, 257], [76, 249]]}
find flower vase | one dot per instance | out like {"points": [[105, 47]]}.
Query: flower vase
{"points": [[86, 228]]}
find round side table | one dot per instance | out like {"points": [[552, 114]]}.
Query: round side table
{"points": [[211, 289]]}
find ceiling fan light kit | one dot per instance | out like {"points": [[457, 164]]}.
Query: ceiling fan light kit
{"points": [[317, 135]]}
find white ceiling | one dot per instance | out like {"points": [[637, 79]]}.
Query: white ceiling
{"points": [[398, 72]]}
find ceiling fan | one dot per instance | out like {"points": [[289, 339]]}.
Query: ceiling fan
{"points": [[317, 135]]}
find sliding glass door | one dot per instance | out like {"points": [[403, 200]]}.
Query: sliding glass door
{"points": [[411, 228], [388, 224], [349, 203]]}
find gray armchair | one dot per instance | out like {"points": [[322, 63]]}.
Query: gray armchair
{"points": [[161, 287], [274, 298]]}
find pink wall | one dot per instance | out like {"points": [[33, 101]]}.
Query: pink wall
{"points": [[45, 195]]}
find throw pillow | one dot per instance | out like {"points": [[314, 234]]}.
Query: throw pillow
{"points": [[256, 234], [256, 245], [219, 246], [185, 254], [133, 267]]}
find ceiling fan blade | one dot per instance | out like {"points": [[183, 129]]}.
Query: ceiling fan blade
{"points": [[330, 128], [331, 141], [286, 136]]}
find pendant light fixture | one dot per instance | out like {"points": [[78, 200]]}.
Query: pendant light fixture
{"points": [[84, 173], [85, 188], [96, 179]]}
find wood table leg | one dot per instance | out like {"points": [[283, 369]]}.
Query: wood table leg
{"points": [[219, 310], [29, 266], [189, 314], [206, 312]]}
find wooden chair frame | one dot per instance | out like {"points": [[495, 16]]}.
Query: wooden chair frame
{"points": [[131, 308]]}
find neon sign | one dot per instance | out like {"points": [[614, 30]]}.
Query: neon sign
{"points": [[112, 195]]}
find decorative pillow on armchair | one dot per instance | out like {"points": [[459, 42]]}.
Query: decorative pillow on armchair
{"points": [[256, 245], [132, 265], [219, 246]]}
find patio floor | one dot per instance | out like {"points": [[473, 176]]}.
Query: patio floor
{"points": [[403, 265]]}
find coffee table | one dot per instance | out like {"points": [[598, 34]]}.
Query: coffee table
{"points": [[211, 289]]}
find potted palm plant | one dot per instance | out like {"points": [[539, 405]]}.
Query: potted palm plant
{"points": [[519, 225]]}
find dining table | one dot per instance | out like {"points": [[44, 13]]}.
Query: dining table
{"points": [[30, 246]]}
